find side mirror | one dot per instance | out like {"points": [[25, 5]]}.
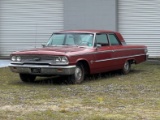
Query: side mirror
{"points": [[43, 45], [98, 45]]}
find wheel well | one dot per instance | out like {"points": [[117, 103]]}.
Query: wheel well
{"points": [[86, 66], [132, 61]]}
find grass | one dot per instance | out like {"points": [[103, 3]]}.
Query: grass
{"points": [[109, 96]]}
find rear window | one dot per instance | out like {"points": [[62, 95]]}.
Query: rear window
{"points": [[113, 39]]}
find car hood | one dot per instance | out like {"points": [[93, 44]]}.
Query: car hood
{"points": [[57, 50]]}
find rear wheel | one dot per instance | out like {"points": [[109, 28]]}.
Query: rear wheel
{"points": [[27, 77], [126, 67], [78, 75]]}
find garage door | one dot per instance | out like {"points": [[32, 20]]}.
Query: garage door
{"points": [[26, 24], [139, 22]]}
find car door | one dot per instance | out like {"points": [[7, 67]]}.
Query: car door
{"points": [[118, 51], [103, 53]]}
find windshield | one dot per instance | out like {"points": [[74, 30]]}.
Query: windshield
{"points": [[78, 39]]}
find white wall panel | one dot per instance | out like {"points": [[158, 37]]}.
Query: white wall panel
{"points": [[26, 24], [139, 22]]}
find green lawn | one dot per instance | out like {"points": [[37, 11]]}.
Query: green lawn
{"points": [[110, 96]]}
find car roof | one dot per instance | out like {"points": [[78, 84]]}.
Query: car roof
{"points": [[87, 31]]}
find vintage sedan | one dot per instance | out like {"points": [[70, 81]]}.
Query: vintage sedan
{"points": [[77, 53]]}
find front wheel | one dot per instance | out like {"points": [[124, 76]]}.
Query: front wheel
{"points": [[27, 77], [78, 75], [126, 67]]}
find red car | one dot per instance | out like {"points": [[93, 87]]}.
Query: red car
{"points": [[77, 53]]}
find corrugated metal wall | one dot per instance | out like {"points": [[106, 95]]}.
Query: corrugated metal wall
{"points": [[139, 22], [26, 24]]}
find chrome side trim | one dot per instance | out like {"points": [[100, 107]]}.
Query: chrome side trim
{"points": [[108, 51], [129, 49], [119, 58]]}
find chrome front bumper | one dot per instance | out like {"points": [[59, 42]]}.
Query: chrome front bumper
{"points": [[43, 69]]}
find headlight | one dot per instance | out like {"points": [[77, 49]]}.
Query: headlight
{"points": [[61, 60], [58, 59], [13, 58], [16, 58], [64, 60]]}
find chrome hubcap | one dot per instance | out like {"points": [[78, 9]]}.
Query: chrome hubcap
{"points": [[126, 66], [78, 73]]}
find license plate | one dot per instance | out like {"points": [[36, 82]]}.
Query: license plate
{"points": [[36, 70]]}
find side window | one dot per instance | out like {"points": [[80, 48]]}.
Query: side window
{"points": [[101, 40], [113, 39]]}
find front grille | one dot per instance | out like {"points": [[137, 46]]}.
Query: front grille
{"points": [[41, 57], [37, 59]]}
